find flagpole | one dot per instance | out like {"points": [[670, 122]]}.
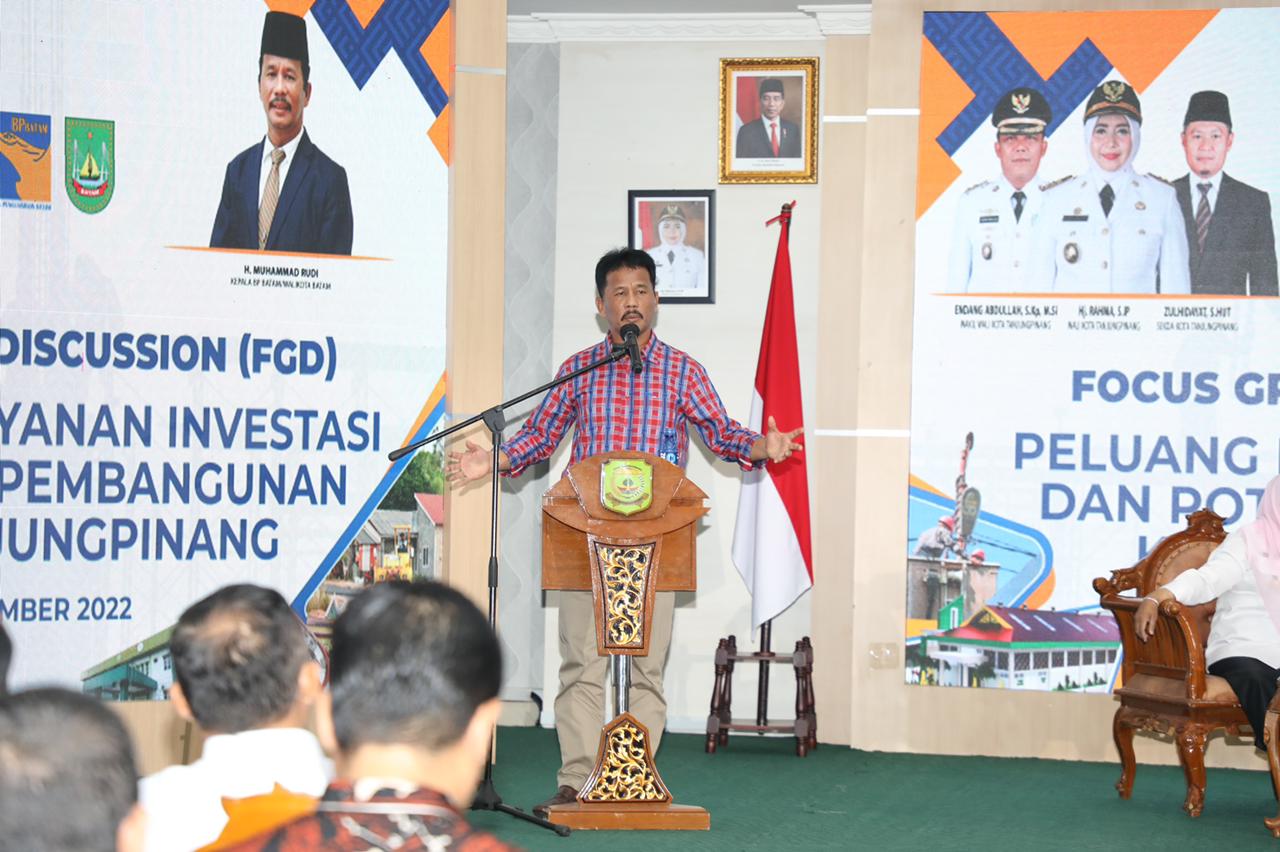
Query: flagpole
{"points": [[766, 628], [766, 653]]}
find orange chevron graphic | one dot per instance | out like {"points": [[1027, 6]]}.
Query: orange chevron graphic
{"points": [[439, 133], [437, 50], [1043, 592], [1139, 44], [437, 394], [942, 96], [293, 7], [364, 10]]}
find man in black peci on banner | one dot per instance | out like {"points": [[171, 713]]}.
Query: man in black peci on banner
{"points": [[613, 409], [1229, 234], [283, 193]]}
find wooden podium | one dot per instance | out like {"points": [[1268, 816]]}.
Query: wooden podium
{"points": [[623, 525]]}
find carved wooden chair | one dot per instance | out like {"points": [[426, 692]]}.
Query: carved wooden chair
{"points": [[1165, 686]]}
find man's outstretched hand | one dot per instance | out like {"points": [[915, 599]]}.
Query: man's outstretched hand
{"points": [[778, 446], [469, 465]]}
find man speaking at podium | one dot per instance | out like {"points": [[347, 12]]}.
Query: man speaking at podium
{"points": [[612, 409]]}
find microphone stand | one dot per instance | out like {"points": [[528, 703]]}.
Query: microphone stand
{"points": [[487, 797]]}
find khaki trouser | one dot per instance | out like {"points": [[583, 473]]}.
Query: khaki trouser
{"points": [[580, 704]]}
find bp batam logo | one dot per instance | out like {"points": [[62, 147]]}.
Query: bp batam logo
{"points": [[25, 176], [91, 163]]}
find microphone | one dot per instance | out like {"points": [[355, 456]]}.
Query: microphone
{"points": [[629, 333]]}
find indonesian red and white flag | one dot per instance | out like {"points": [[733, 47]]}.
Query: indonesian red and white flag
{"points": [[771, 537]]}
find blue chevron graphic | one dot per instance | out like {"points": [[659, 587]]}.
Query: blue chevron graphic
{"points": [[400, 25], [990, 65]]}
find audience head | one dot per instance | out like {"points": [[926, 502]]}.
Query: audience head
{"points": [[241, 661], [67, 776], [6, 657], [414, 671]]}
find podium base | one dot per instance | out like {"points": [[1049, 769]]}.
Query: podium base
{"points": [[626, 816]]}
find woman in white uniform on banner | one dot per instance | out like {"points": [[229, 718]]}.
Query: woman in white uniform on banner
{"points": [[1112, 230]]}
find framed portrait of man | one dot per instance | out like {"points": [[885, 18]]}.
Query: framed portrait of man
{"points": [[676, 228], [769, 120]]}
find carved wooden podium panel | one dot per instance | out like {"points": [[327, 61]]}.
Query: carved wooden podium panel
{"points": [[605, 531], [572, 509]]}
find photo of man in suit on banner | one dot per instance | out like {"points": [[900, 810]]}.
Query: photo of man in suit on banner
{"points": [[285, 195], [1229, 233]]}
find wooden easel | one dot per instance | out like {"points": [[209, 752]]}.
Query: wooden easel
{"points": [[720, 721]]}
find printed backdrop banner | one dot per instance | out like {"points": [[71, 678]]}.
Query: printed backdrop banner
{"points": [[1095, 352], [180, 410]]}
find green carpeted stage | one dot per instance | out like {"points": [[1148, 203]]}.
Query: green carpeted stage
{"points": [[763, 797]]}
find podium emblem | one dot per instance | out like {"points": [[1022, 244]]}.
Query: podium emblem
{"points": [[626, 485]]}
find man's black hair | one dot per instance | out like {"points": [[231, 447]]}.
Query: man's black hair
{"points": [[306, 71], [622, 258], [410, 664], [236, 655], [67, 775], [6, 657]]}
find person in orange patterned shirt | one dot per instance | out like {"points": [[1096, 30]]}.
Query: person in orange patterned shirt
{"points": [[415, 671]]}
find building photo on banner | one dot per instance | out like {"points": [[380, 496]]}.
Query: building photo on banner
{"points": [[676, 228], [216, 318], [1095, 349]]}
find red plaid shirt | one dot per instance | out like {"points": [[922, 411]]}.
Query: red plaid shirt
{"points": [[613, 409]]}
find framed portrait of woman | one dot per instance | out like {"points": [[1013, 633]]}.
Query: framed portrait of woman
{"points": [[676, 227]]}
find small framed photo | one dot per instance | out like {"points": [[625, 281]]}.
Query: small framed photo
{"points": [[769, 120], [676, 227]]}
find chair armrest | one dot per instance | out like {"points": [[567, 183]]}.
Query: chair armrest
{"points": [[1121, 580], [1174, 645]]}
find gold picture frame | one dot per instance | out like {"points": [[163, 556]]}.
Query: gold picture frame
{"points": [[769, 120]]}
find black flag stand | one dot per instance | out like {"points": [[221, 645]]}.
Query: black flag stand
{"points": [[487, 797]]}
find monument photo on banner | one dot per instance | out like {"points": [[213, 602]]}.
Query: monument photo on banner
{"points": [[1094, 350], [212, 335]]}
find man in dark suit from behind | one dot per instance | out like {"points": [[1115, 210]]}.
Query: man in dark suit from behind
{"points": [[283, 193], [1229, 233], [771, 135]]}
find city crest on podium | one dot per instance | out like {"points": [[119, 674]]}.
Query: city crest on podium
{"points": [[626, 485]]}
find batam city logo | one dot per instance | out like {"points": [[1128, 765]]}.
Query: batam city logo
{"points": [[91, 163], [25, 175]]}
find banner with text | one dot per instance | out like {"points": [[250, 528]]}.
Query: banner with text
{"points": [[207, 347], [1095, 353]]}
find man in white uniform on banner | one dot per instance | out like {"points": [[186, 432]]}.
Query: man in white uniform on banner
{"points": [[991, 247]]}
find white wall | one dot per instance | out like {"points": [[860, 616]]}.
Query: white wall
{"points": [[645, 116]]}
